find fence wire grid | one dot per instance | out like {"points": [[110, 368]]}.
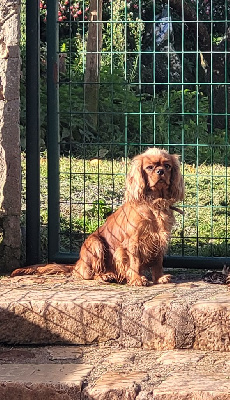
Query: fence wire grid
{"points": [[123, 76]]}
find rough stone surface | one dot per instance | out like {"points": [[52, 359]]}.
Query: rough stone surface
{"points": [[111, 386], [54, 320], [131, 325], [108, 373], [157, 333], [193, 387], [132, 335], [10, 181], [62, 310], [212, 322], [42, 381]]}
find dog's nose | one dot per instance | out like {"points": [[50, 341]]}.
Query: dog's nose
{"points": [[160, 172]]}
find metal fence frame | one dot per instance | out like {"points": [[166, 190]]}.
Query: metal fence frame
{"points": [[53, 148]]}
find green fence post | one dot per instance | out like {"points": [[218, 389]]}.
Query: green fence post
{"points": [[52, 128], [33, 132]]}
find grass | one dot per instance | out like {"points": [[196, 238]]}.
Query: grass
{"points": [[91, 189]]}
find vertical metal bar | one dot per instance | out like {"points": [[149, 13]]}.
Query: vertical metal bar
{"points": [[198, 142], [168, 82], [197, 131], [32, 132], [154, 72], [53, 129], [212, 129], [227, 25], [70, 131], [139, 76], [84, 54]]}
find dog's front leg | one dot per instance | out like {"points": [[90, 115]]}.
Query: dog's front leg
{"points": [[157, 271], [133, 276]]}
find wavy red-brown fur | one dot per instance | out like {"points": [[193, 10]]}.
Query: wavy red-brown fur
{"points": [[40, 269], [135, 237]]}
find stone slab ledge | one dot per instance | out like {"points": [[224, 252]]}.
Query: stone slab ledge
{"points": [[57, 310]]}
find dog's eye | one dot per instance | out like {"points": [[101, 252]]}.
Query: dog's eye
{"points": [[167, 166], [150, 167]]}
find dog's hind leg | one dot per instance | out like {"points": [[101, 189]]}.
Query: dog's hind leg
{"points": [[91, 263]]}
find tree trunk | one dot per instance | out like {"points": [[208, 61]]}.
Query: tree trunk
{"points": [[93, 56], [220, 91]]}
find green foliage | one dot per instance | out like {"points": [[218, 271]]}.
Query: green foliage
{"points": [[93, 217], [179, 119], [129, 119], [100, 209], [130, 115]]}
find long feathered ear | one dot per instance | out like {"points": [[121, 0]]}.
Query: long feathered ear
{"points": [[176, 189], [135, 182]]}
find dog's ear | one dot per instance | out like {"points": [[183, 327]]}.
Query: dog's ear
{"points": [[135, 182], [176, 189]]}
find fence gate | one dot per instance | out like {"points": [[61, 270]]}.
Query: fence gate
{"points": [[123, 76]]}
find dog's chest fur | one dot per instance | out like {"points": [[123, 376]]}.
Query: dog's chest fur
{"points": [[155, 230]]}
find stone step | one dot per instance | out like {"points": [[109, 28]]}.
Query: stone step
{"points": [[108, 373], [58, 310]]}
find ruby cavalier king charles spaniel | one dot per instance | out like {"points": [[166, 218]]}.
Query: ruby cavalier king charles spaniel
{"points": [[133, 240]]}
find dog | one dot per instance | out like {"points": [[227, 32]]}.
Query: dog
{"points": [[134, 239]]}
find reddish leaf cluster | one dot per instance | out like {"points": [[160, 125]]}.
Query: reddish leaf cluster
{"points": [[66, 10]]}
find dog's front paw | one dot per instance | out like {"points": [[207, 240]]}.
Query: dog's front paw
{"points": [[139, 281], [108, 277], [165, 279]]}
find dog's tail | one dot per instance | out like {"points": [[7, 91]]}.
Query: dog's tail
{"points": [[44, 269]]}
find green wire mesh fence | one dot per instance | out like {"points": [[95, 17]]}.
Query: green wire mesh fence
{"points": [[124, 76]]}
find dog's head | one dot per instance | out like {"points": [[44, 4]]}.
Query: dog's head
{"points": [[156, 174]]}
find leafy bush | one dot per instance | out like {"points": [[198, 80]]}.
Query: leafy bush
{"points": [[129, 120], [130, 116]]}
